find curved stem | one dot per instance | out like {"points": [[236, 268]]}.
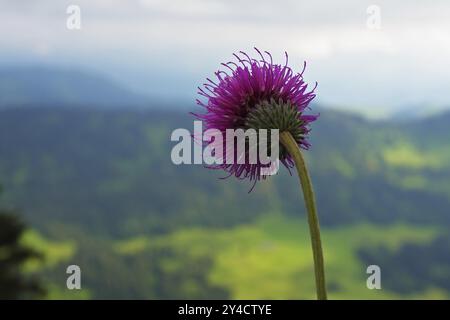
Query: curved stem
{"points": [[292, 147]]}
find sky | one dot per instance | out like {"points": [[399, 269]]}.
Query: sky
{"points": [[376, 57]]}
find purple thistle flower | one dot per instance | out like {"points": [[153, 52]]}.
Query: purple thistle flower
{"points": [[256, 93]]}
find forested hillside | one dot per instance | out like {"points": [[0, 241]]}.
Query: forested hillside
{"points": [[99, 189]]}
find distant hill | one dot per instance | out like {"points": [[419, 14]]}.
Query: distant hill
{"points": [[111, 171], [41, 86], [99, 187]]}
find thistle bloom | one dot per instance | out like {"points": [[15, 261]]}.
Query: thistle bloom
{"points": [[256, 93]]}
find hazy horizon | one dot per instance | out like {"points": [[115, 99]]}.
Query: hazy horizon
{"points": [[166, 49]]}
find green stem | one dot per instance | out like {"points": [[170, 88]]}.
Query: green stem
{"points": [[292, 147]]}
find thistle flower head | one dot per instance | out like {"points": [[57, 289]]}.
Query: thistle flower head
{"points": [[259, 94]]}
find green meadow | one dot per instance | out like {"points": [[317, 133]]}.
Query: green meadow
{"points": [[269, 259]]}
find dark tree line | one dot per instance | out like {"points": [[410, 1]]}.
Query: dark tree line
{"points": [[14, 283]]}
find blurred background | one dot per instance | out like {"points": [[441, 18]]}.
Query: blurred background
{"points": [[90, 92]]}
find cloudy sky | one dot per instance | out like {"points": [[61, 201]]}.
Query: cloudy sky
{"points": [[166, 48]]}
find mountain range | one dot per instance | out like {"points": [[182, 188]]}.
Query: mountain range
{"points": [[50, 86]]}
